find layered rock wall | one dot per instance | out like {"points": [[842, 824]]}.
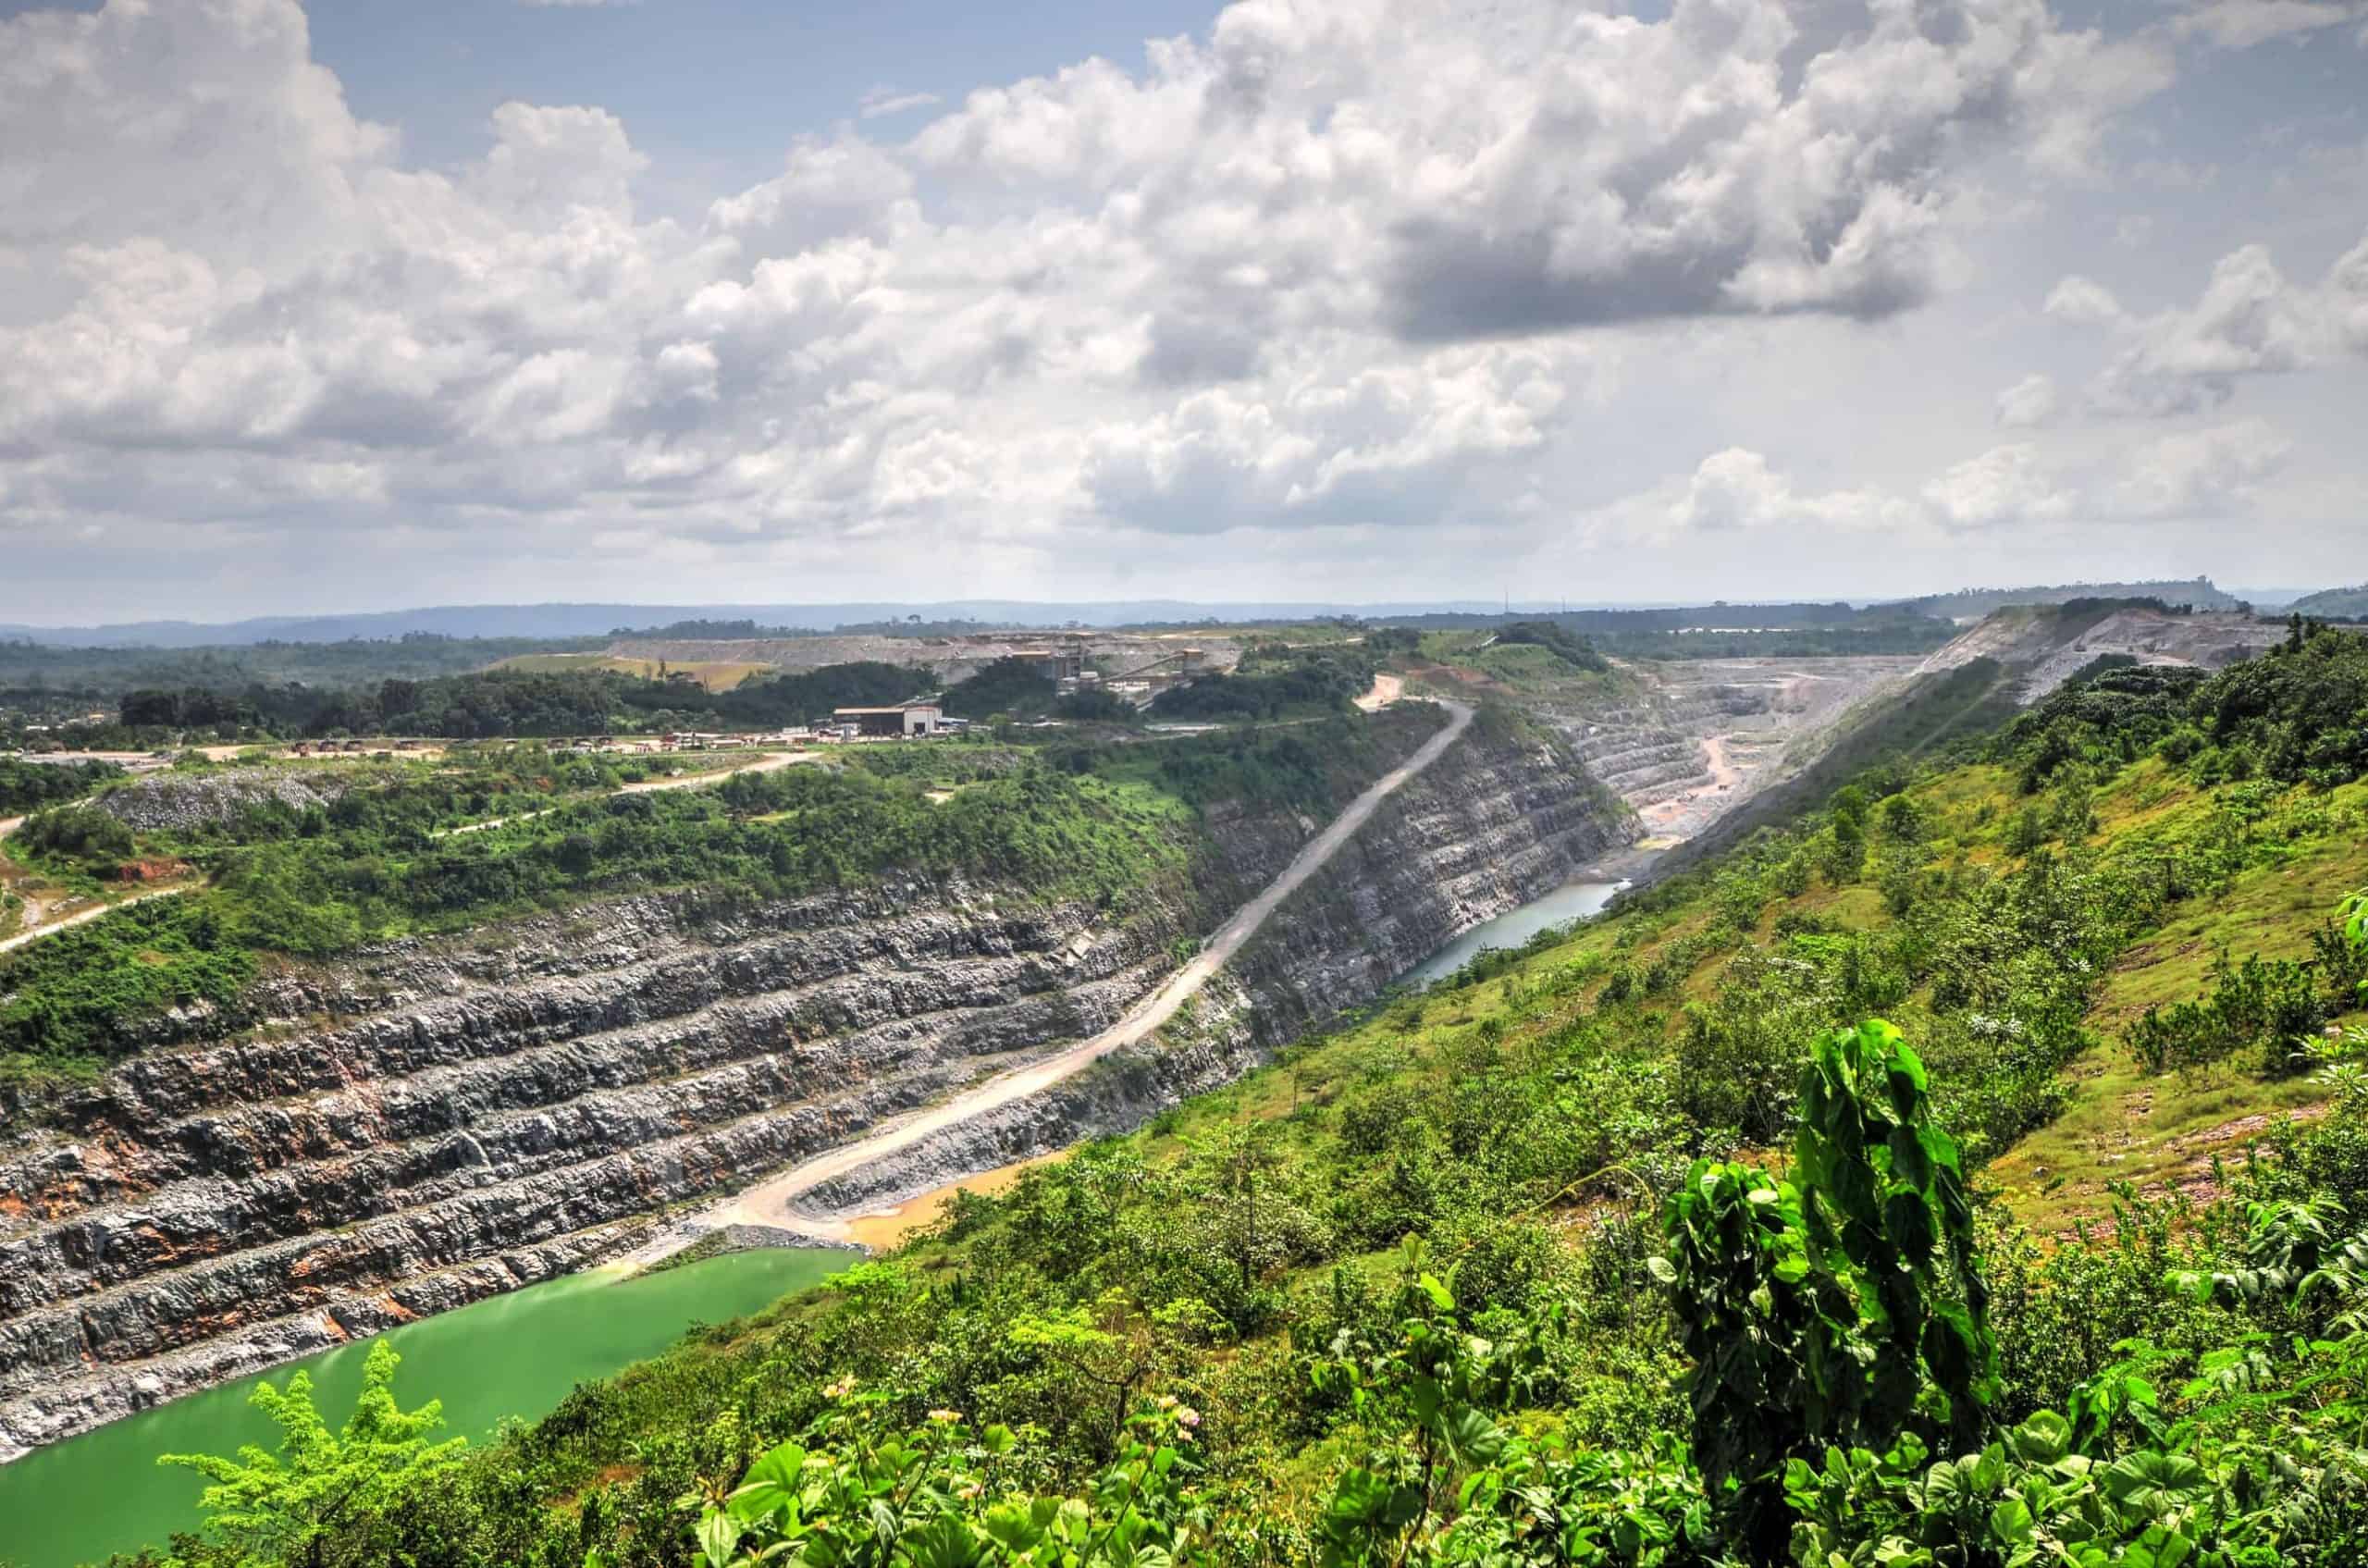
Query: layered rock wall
{"points": [[440, 1121], [1507, 819]]}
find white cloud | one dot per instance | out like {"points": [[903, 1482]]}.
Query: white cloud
{"points": [[2003, 485], [2204, 473], [882, 101], [2250, 321], [1308, 270], [2084, 302], [2029, 404], [1330, 264], [1738, 491], [2243, 24], [2209, 473]]}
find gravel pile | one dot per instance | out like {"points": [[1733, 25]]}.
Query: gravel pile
{"points": [[172, 803]]}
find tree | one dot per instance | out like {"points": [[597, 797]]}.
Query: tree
{"points": [[1009, 684], [1236, 1156], [1839, 1309], [285, 1508]]}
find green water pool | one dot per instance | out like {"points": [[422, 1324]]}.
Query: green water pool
{"points": [[514, 1356]]}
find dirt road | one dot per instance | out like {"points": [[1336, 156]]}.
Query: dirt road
{"points": [[1724, 774], [764, 764], [1387, 690], [772, 1202], [82, 916]]}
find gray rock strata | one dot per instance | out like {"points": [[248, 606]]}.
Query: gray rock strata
{"points": [[433, 1123]]}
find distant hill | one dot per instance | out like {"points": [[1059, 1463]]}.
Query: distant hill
{"points": [[2335, 604], [1972, 604], [560, 622], [564, 621]]}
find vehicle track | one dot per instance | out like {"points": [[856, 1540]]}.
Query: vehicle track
{"points": [[773, 1202]]}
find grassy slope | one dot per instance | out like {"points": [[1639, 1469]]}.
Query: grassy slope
{"points": [[2151, 1128], [1529, 1025], [1471, 664], [2122, 1124]]}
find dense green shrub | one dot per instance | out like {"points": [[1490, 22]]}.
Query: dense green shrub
{"points": [[28, 786], [2299, 714], [2272, 1005], [1560, 640], [1310, 682], [82, 991], [1013, 686], [77, 836]]}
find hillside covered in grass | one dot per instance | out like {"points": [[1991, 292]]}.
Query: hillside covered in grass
{"points": [[1642, 1245]]}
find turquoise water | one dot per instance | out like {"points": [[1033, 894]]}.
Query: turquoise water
{"points": [[517, 1354], [1573, 901]]}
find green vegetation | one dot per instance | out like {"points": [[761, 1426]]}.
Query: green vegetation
{"points": [[2335, 604], [28, 786], [323, 1486], [2299, 714], [366, 872], [1646, 1246], [1275, 681], [1188, 1346], [42, 684], [1092, 705], [527, 695], [525, 701], [75, 838], [1564, 644], [1315, 767], [380, 861], [1008, 685]]}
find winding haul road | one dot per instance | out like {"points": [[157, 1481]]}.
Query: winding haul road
{"points": [[772, 1202]]}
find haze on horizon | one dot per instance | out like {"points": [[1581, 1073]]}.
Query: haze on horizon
{"points": [[692, 301]]}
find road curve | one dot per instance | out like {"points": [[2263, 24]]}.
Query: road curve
{"points": [[770, 1202], [84, 917]]}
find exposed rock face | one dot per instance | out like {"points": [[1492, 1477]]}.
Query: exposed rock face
{"points": [[2046, 650], [440, 1121], [166, 802], [1476, 837], [1701, 737]]}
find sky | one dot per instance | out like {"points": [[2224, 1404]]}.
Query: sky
{"points": [[359, 305]]}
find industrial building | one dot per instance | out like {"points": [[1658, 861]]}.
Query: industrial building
{"points": [[881, 723]]}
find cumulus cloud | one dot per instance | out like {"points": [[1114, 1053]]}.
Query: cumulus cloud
{"points": [[1738, 491], [2251, 320], [2205, 473], [2213, 471], [2029, 404], [1333, 262], [2005, 485]]}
